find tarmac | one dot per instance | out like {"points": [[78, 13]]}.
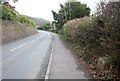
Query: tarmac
{"points": [[63, 64]]}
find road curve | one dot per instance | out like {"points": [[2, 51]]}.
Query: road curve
{"points": [[24, 58]]}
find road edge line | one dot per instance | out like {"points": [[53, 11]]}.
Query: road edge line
{"points": [[50, 60]]}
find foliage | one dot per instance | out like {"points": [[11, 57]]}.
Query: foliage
{"points": [[25, 20], [110, 14], [10, 14], [98, 37], [45, 26], [7, 14], [68, 11]]}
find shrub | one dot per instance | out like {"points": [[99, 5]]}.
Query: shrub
{"points": [[98, 36], [10, 14]]}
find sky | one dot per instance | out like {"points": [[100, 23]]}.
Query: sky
{"points": [[42, 8]]}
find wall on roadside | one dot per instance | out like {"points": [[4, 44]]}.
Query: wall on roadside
{"points": [[12, 31], [0, 31]]}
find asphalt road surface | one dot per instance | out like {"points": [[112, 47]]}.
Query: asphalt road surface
{"points": [[40, 56], [24, 58]]}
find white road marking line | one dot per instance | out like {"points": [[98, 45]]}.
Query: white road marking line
{"points": [[13, 49], [49, 64], [24, 45], [18, 47], [21, 46]]}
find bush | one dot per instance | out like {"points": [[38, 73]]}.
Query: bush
{"points": [[84, 34], [98, 36], [7, 14], [46, 27], [111, 38], [10, 14], [25, 20]]}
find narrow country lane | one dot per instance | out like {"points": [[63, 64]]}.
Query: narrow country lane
{"points": [[25, 58], [41, 56]]}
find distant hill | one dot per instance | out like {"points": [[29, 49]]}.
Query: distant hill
{"points": [[38, 21]]}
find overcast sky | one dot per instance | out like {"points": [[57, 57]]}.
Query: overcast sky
{"points": [[42, 8]]}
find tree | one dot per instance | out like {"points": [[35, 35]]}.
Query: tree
{"points": [[77, 10], [59, 22], [68, 11], [47, 26]]}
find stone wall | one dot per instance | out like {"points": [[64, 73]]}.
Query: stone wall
{"points": [[12, 31]]}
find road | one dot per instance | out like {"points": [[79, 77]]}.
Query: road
{"points": [[24, 58], [41, 56]]}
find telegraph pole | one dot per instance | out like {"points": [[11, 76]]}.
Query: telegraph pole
{"points": [[69, 3], [69, 10]]}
